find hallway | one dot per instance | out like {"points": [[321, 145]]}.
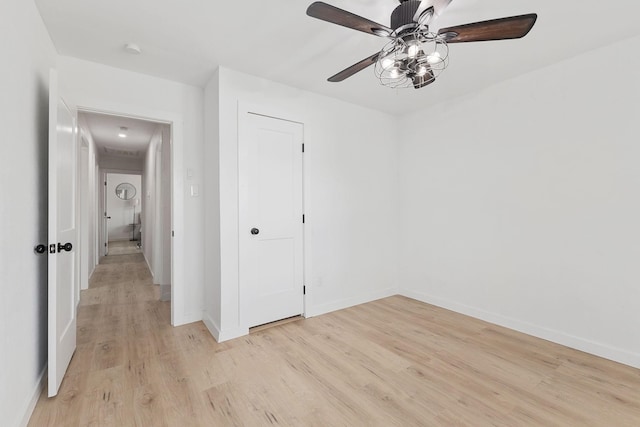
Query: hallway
{"points": [[127, 354], [128, 247]]}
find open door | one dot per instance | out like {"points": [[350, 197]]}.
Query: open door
{"points": [[63, 236]]}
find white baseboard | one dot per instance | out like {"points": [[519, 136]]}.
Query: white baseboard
{"points": [[93, 270], [165, 292], [219, 335], [149, 267], [230, 334], [558, 337], [187, 318], [211, 326], [316, 310], [33, 399]]}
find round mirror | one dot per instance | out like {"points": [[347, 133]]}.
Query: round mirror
{"points": [[125, 191]]}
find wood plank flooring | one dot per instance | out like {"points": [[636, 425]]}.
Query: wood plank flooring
{"points": [[124, 247], [392, 362]]}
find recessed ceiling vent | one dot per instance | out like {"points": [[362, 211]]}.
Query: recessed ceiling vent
{"points": [[112, 151]]}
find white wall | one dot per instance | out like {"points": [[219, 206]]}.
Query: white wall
{"points": [[83, 208], [90, 215], [108, 89], [87, 203], [121, 163], [149, 198], [122, 211], [520, 204], [27, 54], [350, 195], [212, 286], [164, 224], [157, 212]]}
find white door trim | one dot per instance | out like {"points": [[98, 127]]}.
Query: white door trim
{"points": [[297, 116], [102, 205], [243, 111]]}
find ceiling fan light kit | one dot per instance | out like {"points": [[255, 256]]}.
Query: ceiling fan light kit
{"points": [[412, 61], [415, 56]]}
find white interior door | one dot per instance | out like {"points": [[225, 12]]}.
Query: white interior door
{"points": [[271, 227], [62, 236]]}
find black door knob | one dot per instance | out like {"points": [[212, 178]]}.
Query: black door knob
{"points": [[255, 231], [40, 249], [66, 247]]}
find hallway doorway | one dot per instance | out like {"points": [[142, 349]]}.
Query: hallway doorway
{"points": [[130, 199], [123, 213]]}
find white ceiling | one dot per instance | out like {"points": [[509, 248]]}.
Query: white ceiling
{"points": [[104, 129], [187, 40]]}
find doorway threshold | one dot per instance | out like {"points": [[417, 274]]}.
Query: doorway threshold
{"points": [[276, 323]]}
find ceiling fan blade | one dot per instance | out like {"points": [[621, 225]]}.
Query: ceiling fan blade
{"points": [[424, 80], [332, 14], [348, 72], [513, 27]]}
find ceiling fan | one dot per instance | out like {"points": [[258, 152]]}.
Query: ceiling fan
{"points": [[414, 56]]}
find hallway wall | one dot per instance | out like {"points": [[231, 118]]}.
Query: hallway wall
{"points": [[156, 199], [149, 199], [90, 217]]}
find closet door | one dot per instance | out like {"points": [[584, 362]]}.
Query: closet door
{"points": [[271, 222]]}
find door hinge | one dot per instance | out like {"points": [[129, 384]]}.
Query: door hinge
{"points": [[105, 183], [303, 218], [105, 245], [303, 148], [304, 290], [173, 233]]}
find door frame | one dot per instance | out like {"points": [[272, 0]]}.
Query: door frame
{"points": [[243, 110], [104, 235], [175, 123]]}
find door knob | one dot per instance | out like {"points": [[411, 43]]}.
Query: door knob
{"points": [[66, 247], [255, 231], [40, 249]]}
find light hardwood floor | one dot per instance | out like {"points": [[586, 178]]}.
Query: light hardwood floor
{"points": [[124, 247], [392, 362]]}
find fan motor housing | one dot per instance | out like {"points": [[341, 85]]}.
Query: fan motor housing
{"points": [[403, 15]]}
